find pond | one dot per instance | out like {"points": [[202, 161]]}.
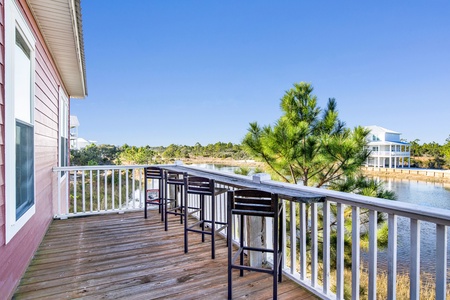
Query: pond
{"points": [[410, 191]]}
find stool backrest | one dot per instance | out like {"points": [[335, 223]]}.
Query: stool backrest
{"points": [[175, 177], [199, 185], [154, 172], [253, 202]]}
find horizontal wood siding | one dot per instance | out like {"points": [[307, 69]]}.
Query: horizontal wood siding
{"points": [[2, 125], [16, 255]]}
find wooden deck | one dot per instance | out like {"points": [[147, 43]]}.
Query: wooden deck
{"points": [[125, 256]]}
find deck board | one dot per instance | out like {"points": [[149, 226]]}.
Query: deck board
{"points": [[126, 256]]}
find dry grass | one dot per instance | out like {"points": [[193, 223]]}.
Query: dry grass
{"points": [[427, 286]]}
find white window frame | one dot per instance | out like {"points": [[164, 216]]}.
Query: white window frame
{"points": [[15, 21], [63, 126]]}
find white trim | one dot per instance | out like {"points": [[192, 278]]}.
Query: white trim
{"points": [[63, 124], [14, 20]]}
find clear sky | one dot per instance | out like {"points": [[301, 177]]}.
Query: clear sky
{"points": [[181, 72]]}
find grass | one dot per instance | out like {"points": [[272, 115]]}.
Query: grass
{"points": [[100, 200], [427, 283]]}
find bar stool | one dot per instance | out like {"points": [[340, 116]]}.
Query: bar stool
{"points": [[175, 179], [251, 202], [152, 198], [204, 188]]}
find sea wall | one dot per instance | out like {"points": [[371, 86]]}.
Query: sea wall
{"points": [[409, 173]]}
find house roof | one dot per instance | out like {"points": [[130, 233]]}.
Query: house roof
{"points": [[74, 121], [377, 143], [379, 128], [61, 26]]}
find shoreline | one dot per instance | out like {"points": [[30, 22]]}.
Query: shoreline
{"points": [[222, 161], [427, 175]]}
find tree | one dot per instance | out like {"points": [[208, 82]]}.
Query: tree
{"points": [[94, 155], [307, 144], [137, 155], [446, 151], [313, 146]]}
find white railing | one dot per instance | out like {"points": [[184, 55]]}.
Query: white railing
{"points": [[98, 189], [390, 153], [317, 237]]}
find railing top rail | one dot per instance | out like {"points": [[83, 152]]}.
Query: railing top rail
{"points": [[103, 167], [410, 210], [288, 192]]}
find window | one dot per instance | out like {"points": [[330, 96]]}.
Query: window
{"points": [[19, 121], [63, 129]]}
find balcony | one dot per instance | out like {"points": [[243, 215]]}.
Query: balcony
{"points": [[119, 253], [390, 153], [126, 256]]}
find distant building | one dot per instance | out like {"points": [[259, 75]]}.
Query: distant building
{"points": [[387, 149], [77, 142]]}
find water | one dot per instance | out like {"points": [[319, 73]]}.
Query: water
{"points": [[418, 192], [422, 193], [216, 167]]}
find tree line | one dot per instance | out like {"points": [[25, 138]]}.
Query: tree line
{"points": [[106, 154], [430, 155]]}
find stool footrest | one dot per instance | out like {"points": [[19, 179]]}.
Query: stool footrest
{"points": [[256, 249], [199, 231], [247, 268]]}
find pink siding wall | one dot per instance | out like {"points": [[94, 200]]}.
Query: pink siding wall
{"points": [[16, 255], [2, 122]]}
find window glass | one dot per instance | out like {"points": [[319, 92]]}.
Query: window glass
{"points": [[22, 76], [24, 168]]}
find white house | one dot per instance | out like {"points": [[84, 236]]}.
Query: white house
{"points": [[77, 142], [387, 149]]}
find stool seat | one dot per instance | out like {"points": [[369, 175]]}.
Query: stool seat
{"points": [[256, 203]]}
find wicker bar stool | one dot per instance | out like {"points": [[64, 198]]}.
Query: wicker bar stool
{"points": [[154, 197], [204, 189], [251, 202], [175, 179]]}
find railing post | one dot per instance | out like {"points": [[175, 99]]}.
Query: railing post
{"points": [[83, 179], [106, 189], [256, 233], [441, 261], [67, 192], [59, 192], [326, 247], [126, 188], [356, 221], [133, 187], [112, 190], [75, 208], [293, 237], [314, 244], [98, 190], [303, 221], [120, 189], [340, 251], [372, 254], [91, 208], [414, 290], [392, 256]]}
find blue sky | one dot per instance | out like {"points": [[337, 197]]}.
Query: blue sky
{"points": [[182, 72]]}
